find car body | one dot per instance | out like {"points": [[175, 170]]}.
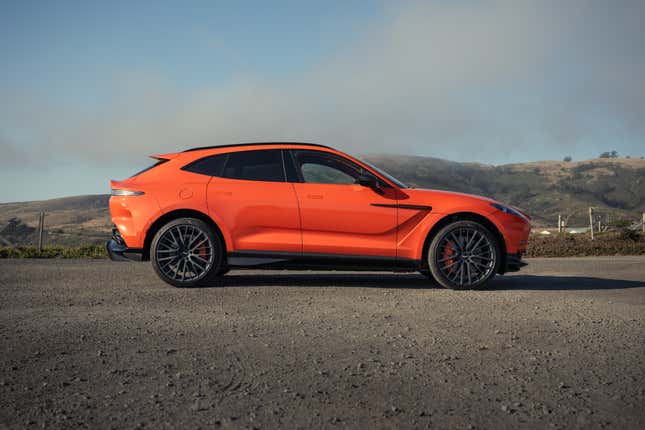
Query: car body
{"points": [[299, 205]]}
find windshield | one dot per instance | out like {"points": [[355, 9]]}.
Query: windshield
{"points": [[386, 175]]}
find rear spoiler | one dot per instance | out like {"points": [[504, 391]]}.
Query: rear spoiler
{"points": [[168, 156]]}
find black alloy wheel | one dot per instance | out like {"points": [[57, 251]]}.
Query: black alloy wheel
{"points": [[464, 255]]}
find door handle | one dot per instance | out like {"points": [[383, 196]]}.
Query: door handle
{"points": [[315, 196]]}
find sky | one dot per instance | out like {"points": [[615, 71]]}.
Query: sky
{"points": [[89, 89]]}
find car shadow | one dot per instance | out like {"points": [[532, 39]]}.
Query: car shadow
{"points": [[560, 283], [416, 281]]}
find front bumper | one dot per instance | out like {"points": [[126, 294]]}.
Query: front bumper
{"points": [[118, 251], [514, 263]]}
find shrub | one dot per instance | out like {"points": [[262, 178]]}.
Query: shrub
{"points": [[569, 245], [90, 251], [629, 234]]}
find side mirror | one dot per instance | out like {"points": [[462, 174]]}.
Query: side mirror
{"points": [[367, 181]]}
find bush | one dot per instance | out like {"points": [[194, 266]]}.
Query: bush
{"points": [[90, 251], [569, 245], [629, 234]]}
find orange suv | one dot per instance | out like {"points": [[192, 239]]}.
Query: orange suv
{"points": [[198, 213]]}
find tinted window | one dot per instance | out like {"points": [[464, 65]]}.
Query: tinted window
{"points": [[211, 166], [263, 165], [387, 175], [324, 168]]}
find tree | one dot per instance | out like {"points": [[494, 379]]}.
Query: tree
{"points": [[614, 154], [568, 159]]}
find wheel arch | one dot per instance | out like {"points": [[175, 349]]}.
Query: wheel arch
{"points": [[175, 214], [463, 216]]}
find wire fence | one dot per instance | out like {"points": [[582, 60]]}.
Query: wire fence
{"points": [[14, 233]]}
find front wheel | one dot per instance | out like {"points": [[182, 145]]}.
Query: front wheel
{"points": [[186, 252], [464, 255]]}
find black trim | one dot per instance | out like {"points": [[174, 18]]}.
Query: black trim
{"points": [[400, 206], [318, 261], [116, 236], [514, 263], [294, 175], [120, 252], [233, 145]]}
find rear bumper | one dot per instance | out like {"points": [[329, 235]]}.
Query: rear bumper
{"points": [[118, 251], [514, 263]]}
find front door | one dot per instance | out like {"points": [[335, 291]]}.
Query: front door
{"points": [[339, 216]]}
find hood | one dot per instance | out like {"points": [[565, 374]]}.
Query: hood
{"points": [[450, 201], [449, 194]]}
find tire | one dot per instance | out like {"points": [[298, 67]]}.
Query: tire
{"points": [[186, 252], [464, 255]]}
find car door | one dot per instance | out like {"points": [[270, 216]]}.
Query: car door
{"points": [[252, 199], [339, 216]]}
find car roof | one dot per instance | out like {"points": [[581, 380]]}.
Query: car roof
{"points": [[235, 145]]}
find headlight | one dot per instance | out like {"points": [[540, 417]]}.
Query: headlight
{"points": [[507, 210], [117, 192]]}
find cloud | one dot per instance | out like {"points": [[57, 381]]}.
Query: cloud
{"points": [[465, 80]]}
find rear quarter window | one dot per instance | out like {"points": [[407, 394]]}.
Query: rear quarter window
{"points": [[212, 165]]}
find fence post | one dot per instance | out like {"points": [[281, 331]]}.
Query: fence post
{"points": [[41, 225], [643, 222], [559, 223], [591, 222]]}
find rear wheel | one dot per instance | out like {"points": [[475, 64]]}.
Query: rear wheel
{"points": [[186, 252], [464, 255]]}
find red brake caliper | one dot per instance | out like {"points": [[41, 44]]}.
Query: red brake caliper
{"points": [[448, 252]]}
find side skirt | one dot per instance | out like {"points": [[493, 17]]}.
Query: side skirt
{"points": [[317, 261]]}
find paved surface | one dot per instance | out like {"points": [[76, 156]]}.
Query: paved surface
{"points": [[106, 345]]}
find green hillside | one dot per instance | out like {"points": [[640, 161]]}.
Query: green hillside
{"points": [[616, 187]]}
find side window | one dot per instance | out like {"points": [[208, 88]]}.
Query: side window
{"points": [[261, 165], [323, 168], [322, 174], [211, 166]]}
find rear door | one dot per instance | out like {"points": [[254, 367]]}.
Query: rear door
{"points": [[338, 216], [255, 203]]}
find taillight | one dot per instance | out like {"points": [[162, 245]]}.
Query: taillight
{"points": [[119, 192]]}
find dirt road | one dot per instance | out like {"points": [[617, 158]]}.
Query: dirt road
{"points": [[107, 345]]}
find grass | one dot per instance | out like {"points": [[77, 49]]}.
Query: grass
{"points": [[562, 245], [54, 251]]}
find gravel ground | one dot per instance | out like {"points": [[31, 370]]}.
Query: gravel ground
{"points": [[107, 345]]}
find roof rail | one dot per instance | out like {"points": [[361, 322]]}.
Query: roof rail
{"points": [[255, 144]]}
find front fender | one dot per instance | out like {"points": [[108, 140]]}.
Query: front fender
{"points": [[412, 238]]}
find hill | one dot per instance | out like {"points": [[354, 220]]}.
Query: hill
{"points": [[615, 186], [69, 220]]}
